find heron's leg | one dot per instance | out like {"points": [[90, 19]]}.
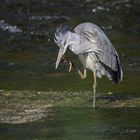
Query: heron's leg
{"points": [[85, 73], [94, 90], [83, 76]]}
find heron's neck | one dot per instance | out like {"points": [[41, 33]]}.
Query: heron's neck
{"points": [[74, 40]]}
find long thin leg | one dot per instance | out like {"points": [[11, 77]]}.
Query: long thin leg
{"points": [[85, 73], [94, 90], [83, 76]]}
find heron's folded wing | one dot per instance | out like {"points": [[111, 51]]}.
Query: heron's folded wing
{"points": [[96, 38], [94, 49]]}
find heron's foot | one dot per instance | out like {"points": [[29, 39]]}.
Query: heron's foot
{"points": [[68, 61], [82, 77]]}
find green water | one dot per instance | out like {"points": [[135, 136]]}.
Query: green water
{"points": [[79, 123], [27, 61]]}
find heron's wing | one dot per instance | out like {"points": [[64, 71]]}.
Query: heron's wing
{"points": [[93, 37]]}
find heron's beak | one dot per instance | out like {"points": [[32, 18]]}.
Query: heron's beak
{"points": [[60, 54]]}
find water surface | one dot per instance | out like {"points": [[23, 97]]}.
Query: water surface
{"points": [[79, 123]]}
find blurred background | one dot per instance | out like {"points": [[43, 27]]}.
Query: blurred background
{"points": [[28, 52]]}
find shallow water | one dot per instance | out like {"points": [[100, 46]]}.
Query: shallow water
{"points": [[79, 123], [27, 61]]}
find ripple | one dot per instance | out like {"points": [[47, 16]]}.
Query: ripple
{"points": [[100, 8], [7, 27], [53, 17], [114, 3], [107, 27]]}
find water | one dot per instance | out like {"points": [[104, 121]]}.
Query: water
{"points": [[27, 61], [79, 123]]}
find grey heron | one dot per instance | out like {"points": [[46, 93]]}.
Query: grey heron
{"points": [[95, 52]]}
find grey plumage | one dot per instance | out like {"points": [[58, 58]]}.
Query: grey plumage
{"points": [[90, 40], [93, 48]]}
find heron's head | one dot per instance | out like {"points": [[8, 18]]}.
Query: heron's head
{"points": [[61, 39]]}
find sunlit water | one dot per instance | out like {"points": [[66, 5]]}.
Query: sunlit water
{"points": [[27, 60]]}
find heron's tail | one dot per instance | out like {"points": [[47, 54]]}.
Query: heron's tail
{"points": [[116, 76]]}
